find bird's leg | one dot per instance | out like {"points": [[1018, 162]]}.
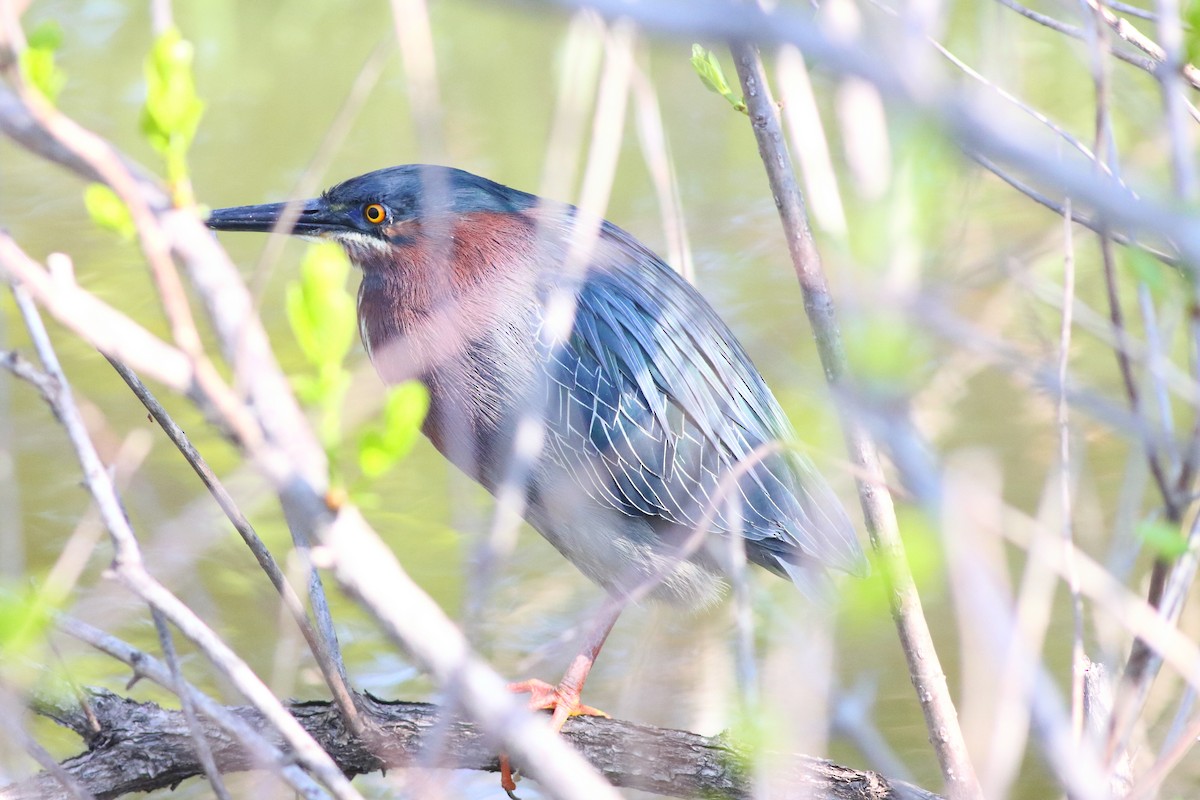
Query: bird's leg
{"points": [[564, 699]]}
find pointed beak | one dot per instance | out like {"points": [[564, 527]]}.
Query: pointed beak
{"points": [[300, 217]]}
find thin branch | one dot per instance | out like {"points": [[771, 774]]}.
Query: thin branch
{"points": [[1000, 91], [1174, 71], [98, 323], [258, 749], [1061, 209], [941, 719], [973, 127], [1078, 656], [1131, 10], [333, 670], [1133, 394], [1135, 689], [199, 742], [1190, 460], [1126, 31], [1166, 54], [128, 567], [414, 34], [57, 777], [1058, 130], [1124, 607], [1149, 782]]}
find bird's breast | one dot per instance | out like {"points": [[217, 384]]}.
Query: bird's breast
{"points": [[474, 350]]}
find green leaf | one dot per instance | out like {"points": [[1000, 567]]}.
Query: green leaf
{"points": [[307, 388], [320, 310], [46, 36], [108, 211], [707, 66], [381, 448], [37, 60], [887, 352], [1191, 30], [321, 314], [172, 110], [1164, 539], [1147, 269], [373, 456], [24, 617]]}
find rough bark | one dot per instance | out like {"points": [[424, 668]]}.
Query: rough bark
{"points": [[139, 747]]}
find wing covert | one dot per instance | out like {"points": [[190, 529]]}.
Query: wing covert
{"points": [[652, 403]]}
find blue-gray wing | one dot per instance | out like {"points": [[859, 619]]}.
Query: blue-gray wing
{"points": [[652, 404]]}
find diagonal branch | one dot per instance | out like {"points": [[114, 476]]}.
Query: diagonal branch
{"points": [[924, 667], [1122, 27]]}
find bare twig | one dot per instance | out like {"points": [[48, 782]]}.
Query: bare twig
{"points": [[414, 34], [1099, 69], [1168, 28], [333, 670], [661, 165], [1132, 696], [1149, 782], [309, 181], [1062, 411], [95, 321], [259, 751], [1175, 70], [1122, 606], [1133, 395], [128, 567], [1190, 459], [973, 128], [1062, 208], [1123, 28], [1131, 10], [203, 752], [924, 667], [1142, 667], [1104, 146], [56, 777]]}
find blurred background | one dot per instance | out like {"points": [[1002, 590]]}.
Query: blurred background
{"points": [[949, 284]]}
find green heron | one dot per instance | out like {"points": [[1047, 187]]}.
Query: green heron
{"points": [[653, 428]]}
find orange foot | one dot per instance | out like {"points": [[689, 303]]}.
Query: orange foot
{"points": [[563, 700]]}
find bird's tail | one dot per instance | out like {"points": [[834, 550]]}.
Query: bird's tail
{"points": [[813, 581]]}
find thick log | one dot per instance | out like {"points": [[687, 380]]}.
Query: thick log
{"points": [[139, 747]]}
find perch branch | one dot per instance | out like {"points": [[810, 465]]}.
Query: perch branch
{"points": [[141, 747]]}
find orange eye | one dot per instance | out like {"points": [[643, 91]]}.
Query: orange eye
{"points": [[374, 213]]}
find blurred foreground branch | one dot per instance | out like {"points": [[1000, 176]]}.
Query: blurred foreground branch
{"points": [[924, 666], [139, 747]]}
